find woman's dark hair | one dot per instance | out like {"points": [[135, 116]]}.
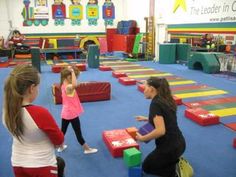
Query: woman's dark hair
{"points": [[164, 92]]}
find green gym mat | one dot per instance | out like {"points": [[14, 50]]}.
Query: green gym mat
{"points": [[131, 59], [137, 41]]}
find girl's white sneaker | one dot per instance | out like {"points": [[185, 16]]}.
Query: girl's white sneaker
{"points": [[61, 148], [90, 151]]}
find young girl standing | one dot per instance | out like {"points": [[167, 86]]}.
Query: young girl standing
{"points": [[71, 107], [34, 130]]}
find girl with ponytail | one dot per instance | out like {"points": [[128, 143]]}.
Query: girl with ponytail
{"points": [[170, 143], [34, 131]]}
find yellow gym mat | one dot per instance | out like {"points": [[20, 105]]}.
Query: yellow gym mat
{"points": [[150, 75], [201, 94], [224, 112]]}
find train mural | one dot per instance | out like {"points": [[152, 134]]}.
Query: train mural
{"points": [[36, 12], [108, 12], [75, 12], [36, 15], [59, 12], [92, 12]]}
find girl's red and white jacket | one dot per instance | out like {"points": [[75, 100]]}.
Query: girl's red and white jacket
{"points": [[41, 135]]}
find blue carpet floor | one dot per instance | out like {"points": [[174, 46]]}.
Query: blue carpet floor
{"points": [[209, 149]]}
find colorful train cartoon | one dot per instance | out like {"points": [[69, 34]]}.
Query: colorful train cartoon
{"points": [[35, 15], [92, 12], [59, 12], [75, 12], [108, 12]]}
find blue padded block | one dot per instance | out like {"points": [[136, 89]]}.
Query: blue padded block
{"points": [[135, 172]]}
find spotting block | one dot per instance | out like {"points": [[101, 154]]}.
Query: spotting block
{"points": [[127, 81], [201, 116], [87, 91], [117, 141]]}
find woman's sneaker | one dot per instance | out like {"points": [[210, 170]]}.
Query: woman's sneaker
{"points": [[183, 168], [90, 151], [61, 148]]}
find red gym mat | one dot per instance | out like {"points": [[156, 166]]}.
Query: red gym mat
{"points": [[117, 63], [142, 72], [178, 101], [231, 126], [127, 68], [210, 102], [188, 87]]}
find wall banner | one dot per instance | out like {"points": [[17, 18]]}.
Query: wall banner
{"points": [[199, 11]]}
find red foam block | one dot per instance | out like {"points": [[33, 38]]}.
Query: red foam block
{"points": [[58, 68], [117, 141], [234, 143], [178, 101], [201, 116], [141, 87], [105, 68], [81, 66], [117, 74], [127, 81]]}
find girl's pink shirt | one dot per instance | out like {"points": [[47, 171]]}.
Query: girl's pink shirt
{"points": [[71, 105]]}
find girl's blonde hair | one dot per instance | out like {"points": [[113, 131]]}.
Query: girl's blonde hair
{"points": [[16, 85], [66, 72]]}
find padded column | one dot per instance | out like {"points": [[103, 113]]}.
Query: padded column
{"points": [[167, 53], [35, 53], [93, 56]]}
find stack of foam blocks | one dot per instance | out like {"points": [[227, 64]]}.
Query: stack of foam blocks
{"points": [[132, 158], [121, 142], [117, 141]]}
